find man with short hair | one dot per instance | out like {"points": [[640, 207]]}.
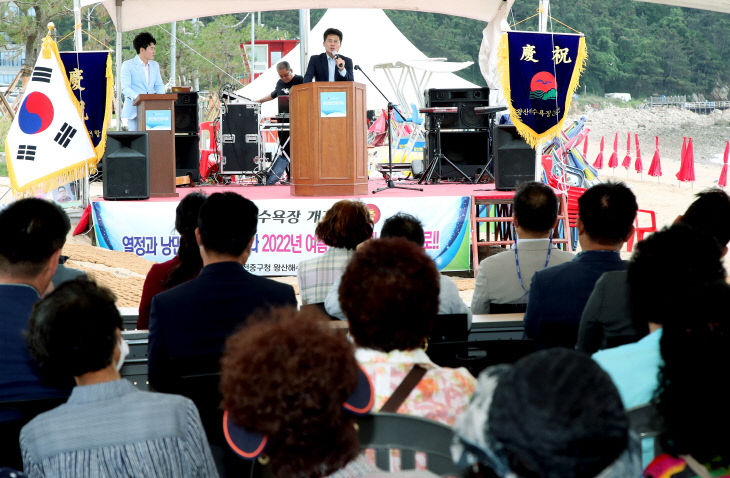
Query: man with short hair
{"points": [[330, 65], [140, 75], [504, 279], [607, 318], [409, 227], [33, 233], [189, 324], [606, 214], [287, 79]]}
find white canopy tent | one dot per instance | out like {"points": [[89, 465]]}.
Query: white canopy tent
{"points": [[133, 14], [368, 46]]}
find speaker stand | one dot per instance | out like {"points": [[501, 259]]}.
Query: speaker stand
{"points": [[438, 157], [490, 152]]}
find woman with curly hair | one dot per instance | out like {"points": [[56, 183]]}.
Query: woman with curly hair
{"points": [[390, 296], [345, 225], [181, 268], [291, 388], [695, 415]]}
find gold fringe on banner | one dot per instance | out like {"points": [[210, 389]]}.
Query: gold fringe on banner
{"points": [[43, 185], [101, 147], [531, 136]]}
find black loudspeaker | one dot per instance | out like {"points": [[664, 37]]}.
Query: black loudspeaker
{"points": [[466, 149], [240, 138], [126, 165], [187, 156], [186, 113], [514, 159], [465, 99]]}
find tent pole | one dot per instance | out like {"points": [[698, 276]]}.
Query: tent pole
{"points": [[253, 45], [544, 13], [78, 45], [173, 53], [303, 39], [118, 79]]}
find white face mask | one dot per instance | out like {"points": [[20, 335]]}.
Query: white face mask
{"points": [[123, 352]]}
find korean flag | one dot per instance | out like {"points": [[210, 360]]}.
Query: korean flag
{"points": [[48, 144]]}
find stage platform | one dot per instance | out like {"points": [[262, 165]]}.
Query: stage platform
{"points": [[285, 234], [281, 191]]}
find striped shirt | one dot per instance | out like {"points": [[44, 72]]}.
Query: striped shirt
{"points": [[111, 429]]}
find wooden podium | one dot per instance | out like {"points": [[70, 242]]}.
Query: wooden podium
{"points": [[161, 142], [328, 139]]}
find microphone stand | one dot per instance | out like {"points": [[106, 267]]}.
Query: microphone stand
{"points": [[389, 181]]}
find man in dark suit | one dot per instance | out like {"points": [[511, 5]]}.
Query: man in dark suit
{"points": [[189, 324], [330, 65], [558, 294], [33, 233], [607, 318]]}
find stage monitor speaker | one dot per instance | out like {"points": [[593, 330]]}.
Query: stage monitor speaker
{"points": [[514, 159], [240, 138], [436, 96], [187, 156], [465, 99], [126, 165], [466, 149], [186, 113]]}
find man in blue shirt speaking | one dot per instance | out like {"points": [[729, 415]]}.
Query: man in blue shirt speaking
{"points": [[140, 75]]}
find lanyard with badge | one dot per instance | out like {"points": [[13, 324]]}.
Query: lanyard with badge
{"points": [[517, 262]]}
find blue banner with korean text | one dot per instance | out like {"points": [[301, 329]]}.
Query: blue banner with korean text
{"points": [[540, 73], [285, 233], [92, 81]]}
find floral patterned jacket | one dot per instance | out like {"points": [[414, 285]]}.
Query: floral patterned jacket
{"points": [[441, 395]]}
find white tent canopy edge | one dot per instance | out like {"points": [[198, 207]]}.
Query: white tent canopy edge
{"points": [[134, 14]]}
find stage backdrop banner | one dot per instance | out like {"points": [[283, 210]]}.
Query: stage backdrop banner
{"points": [[540, 73], [47, 145], [92, 82], [285, 234]]}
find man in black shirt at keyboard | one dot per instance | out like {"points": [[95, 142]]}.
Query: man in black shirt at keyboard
{"points": [[286, 81]]}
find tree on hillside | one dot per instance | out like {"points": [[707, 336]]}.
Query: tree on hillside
{"points": [[25, 22]]}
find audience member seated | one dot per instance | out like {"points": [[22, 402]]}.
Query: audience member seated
{"points": [[189, 323], [552, 414], [406, 226], [505, 278], [181, 268], [389, 293], [345, 225], [606, 320], [33, 231], [558, 294], [695, 414], [658, 279], [303, 390], [107, 427]]}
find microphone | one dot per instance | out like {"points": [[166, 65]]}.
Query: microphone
{"points": [[357, 67]]}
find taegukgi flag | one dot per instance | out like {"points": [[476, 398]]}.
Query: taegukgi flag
{"points": [[540, 73], [47, 144]]}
